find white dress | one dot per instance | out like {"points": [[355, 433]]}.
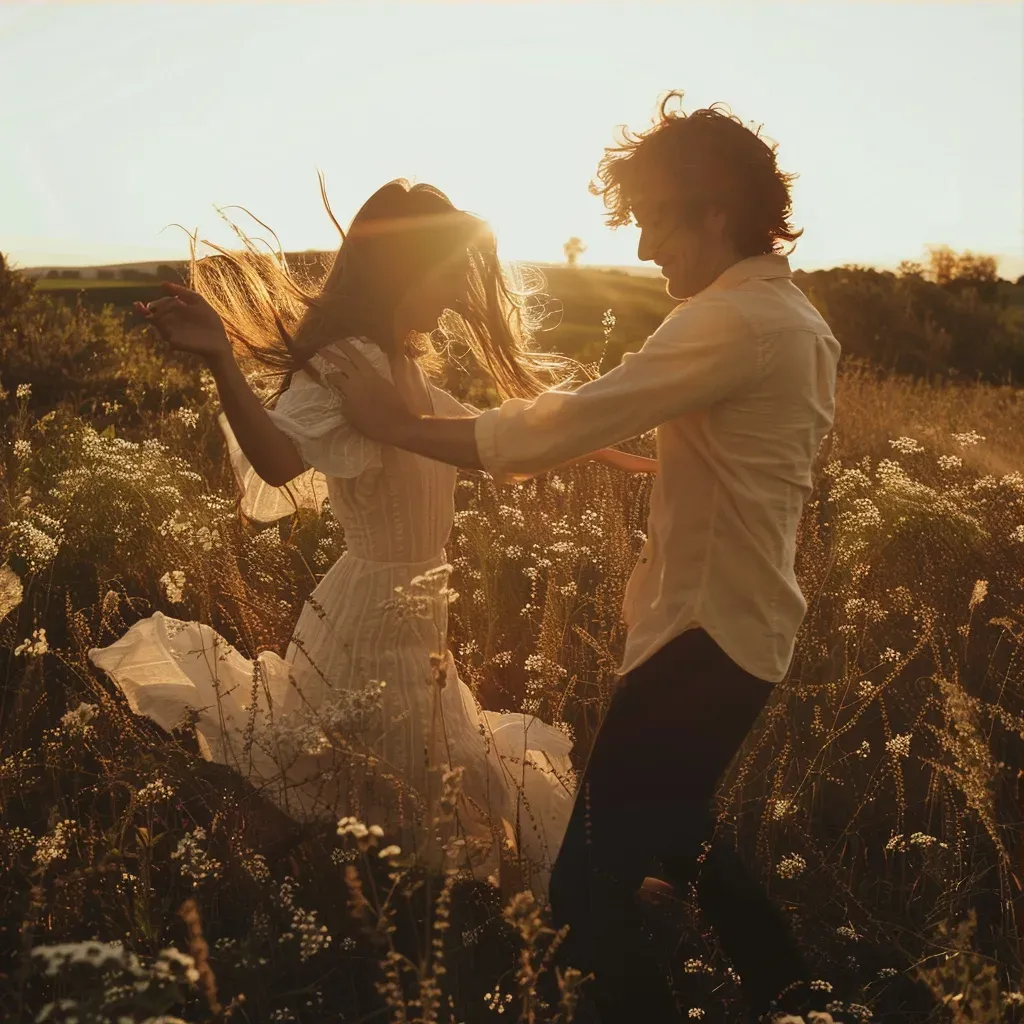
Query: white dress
{"points": [[365, 716]]}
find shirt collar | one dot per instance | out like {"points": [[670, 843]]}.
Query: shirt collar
{"points": [[765, 267]]}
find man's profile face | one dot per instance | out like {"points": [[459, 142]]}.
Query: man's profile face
{"points": [[681, 248]]}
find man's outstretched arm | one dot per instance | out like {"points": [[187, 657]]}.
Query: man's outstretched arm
{"points": [[699, 355], [453, 440], [442, 438]]}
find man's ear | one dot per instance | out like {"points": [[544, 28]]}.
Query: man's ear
{"points": [[716, 221]]}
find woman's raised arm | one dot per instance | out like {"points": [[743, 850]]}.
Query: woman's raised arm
{"points": [[187, 322]]}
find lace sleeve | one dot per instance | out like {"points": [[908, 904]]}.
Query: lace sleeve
{"points": [[311, 415], [262, 502]]}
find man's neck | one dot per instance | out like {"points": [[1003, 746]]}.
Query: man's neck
{"points": [[720, 263]]}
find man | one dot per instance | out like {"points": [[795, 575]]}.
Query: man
{"points": [[739, 381]]}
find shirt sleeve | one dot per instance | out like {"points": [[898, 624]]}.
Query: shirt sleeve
{"points": [[701, 354]]}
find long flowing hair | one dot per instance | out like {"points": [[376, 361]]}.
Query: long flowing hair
{"points": [[281, 315]]}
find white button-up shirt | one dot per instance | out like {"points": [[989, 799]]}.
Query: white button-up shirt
{"points": [[740, 383]]}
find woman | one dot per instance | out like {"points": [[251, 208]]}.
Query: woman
{"points": [[365, 715]]}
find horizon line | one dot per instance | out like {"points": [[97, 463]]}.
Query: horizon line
{"points": [[635, 266]]}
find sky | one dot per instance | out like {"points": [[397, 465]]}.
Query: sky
{"points": [[904, 120]]}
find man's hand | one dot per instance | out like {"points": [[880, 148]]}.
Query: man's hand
{"points": [[371, 403]]}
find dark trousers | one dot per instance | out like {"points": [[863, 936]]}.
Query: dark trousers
{"points": [[670, 731]]}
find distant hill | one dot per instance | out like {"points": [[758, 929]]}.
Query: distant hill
{"points": [[159, 268], [971, 324], [579, 298], [108, 272], [1011, 268]]}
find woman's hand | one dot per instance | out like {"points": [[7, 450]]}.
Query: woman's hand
{"points": [[187, 322], [614, 458], [624, 461]]}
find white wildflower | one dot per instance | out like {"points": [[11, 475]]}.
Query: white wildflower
{"points": [[187, 416], [313, 938], [97, 954], [537, 664], [923, 839], [35, 645], [971, 437], [791, 867], [511, 515], [352, 827], [54, 846], [194, 861], [173, 584], [781, 807], [899, 746], [36, 545], [896, 842], [256, 866], [153, 791], [590, 521], [77, 721], [862, 514], [907, 445]]}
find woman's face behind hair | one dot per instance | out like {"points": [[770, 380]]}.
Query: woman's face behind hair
{"points": [[407, 258], [444, 286]]}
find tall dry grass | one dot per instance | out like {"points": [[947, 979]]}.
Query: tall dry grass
{"points": [[878, 794]]}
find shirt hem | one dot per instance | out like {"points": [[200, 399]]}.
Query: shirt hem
{"points": [[628, 665]]}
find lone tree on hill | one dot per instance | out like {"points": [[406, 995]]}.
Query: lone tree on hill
{"points": [[573, 249]]}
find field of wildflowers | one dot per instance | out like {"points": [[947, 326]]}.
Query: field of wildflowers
{"points": [[879, 795]]}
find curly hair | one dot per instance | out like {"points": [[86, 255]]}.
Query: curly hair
{"points": [[716, 163]]}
